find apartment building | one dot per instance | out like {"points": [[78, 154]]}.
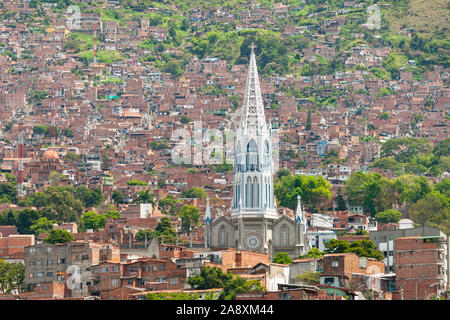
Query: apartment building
{"points": [[421, 267], [70, 263]]}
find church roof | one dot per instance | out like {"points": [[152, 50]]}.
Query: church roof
{"points": [[50, 154]]}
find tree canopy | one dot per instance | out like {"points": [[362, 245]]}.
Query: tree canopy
{"points": [[388, 216], [194, 192], [314, 191], [282, 258], [362, 248], [59, 236], [190, 217], [12, 276]]}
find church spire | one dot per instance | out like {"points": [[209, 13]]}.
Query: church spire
{"points": [[253, 108], [299, 211], [207, 219]]}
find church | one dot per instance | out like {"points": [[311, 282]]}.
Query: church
{"points": [[254, 224]]}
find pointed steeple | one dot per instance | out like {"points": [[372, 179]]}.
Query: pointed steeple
{"points": [[253, 108], [299, 211], [207, 219]]}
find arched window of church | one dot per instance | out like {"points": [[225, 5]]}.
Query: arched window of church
{"points": [[252, 156], [222, 236], [252, 194], [256, 192], [248, 192], [266, 192], [284, 236], [239, 161], [238, 194], [266, 154]]}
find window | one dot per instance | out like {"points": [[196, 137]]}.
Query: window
{"points": [[49, 249], [285, 296], [155, 268], [130, 282], [39, 275], [50, 262], [283, 236], [162, 267], [49, 274], [329, 280], [61, 260], [142, 282], [115, 282], [222, 236], [173, 280], [132, 269], [335, 264], [115, 268]]}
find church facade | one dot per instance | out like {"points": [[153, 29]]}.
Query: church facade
{"points": [[254, 224]]}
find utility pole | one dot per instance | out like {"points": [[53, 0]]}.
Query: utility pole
{"points": [[53, 124], [20, 152]]}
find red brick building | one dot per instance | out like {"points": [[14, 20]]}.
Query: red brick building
{"points": [[14, 244], [338, 268], [144, 274], [420, 267]]}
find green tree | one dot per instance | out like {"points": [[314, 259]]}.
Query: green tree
{"points": [[184, 119], [404, 149], [168, 205], [371, 190], [113, 214], [145, 197], [194, 192], [25, 219], [174, 68], [308, 121], [62, 205], [341, 204], [432, 210], [190, 217], [172, 296], [308, 278], [58, 236], [240, 285], [12, 276], [313, 253], [42, 225], [93, 220], [90, 198], [362, 248], [282, 258], [283, 172], [388, 216], [54, 178], [385, 116], [210, 278], [118, 197], [314, 191], [8, 192], [141, 235]]}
